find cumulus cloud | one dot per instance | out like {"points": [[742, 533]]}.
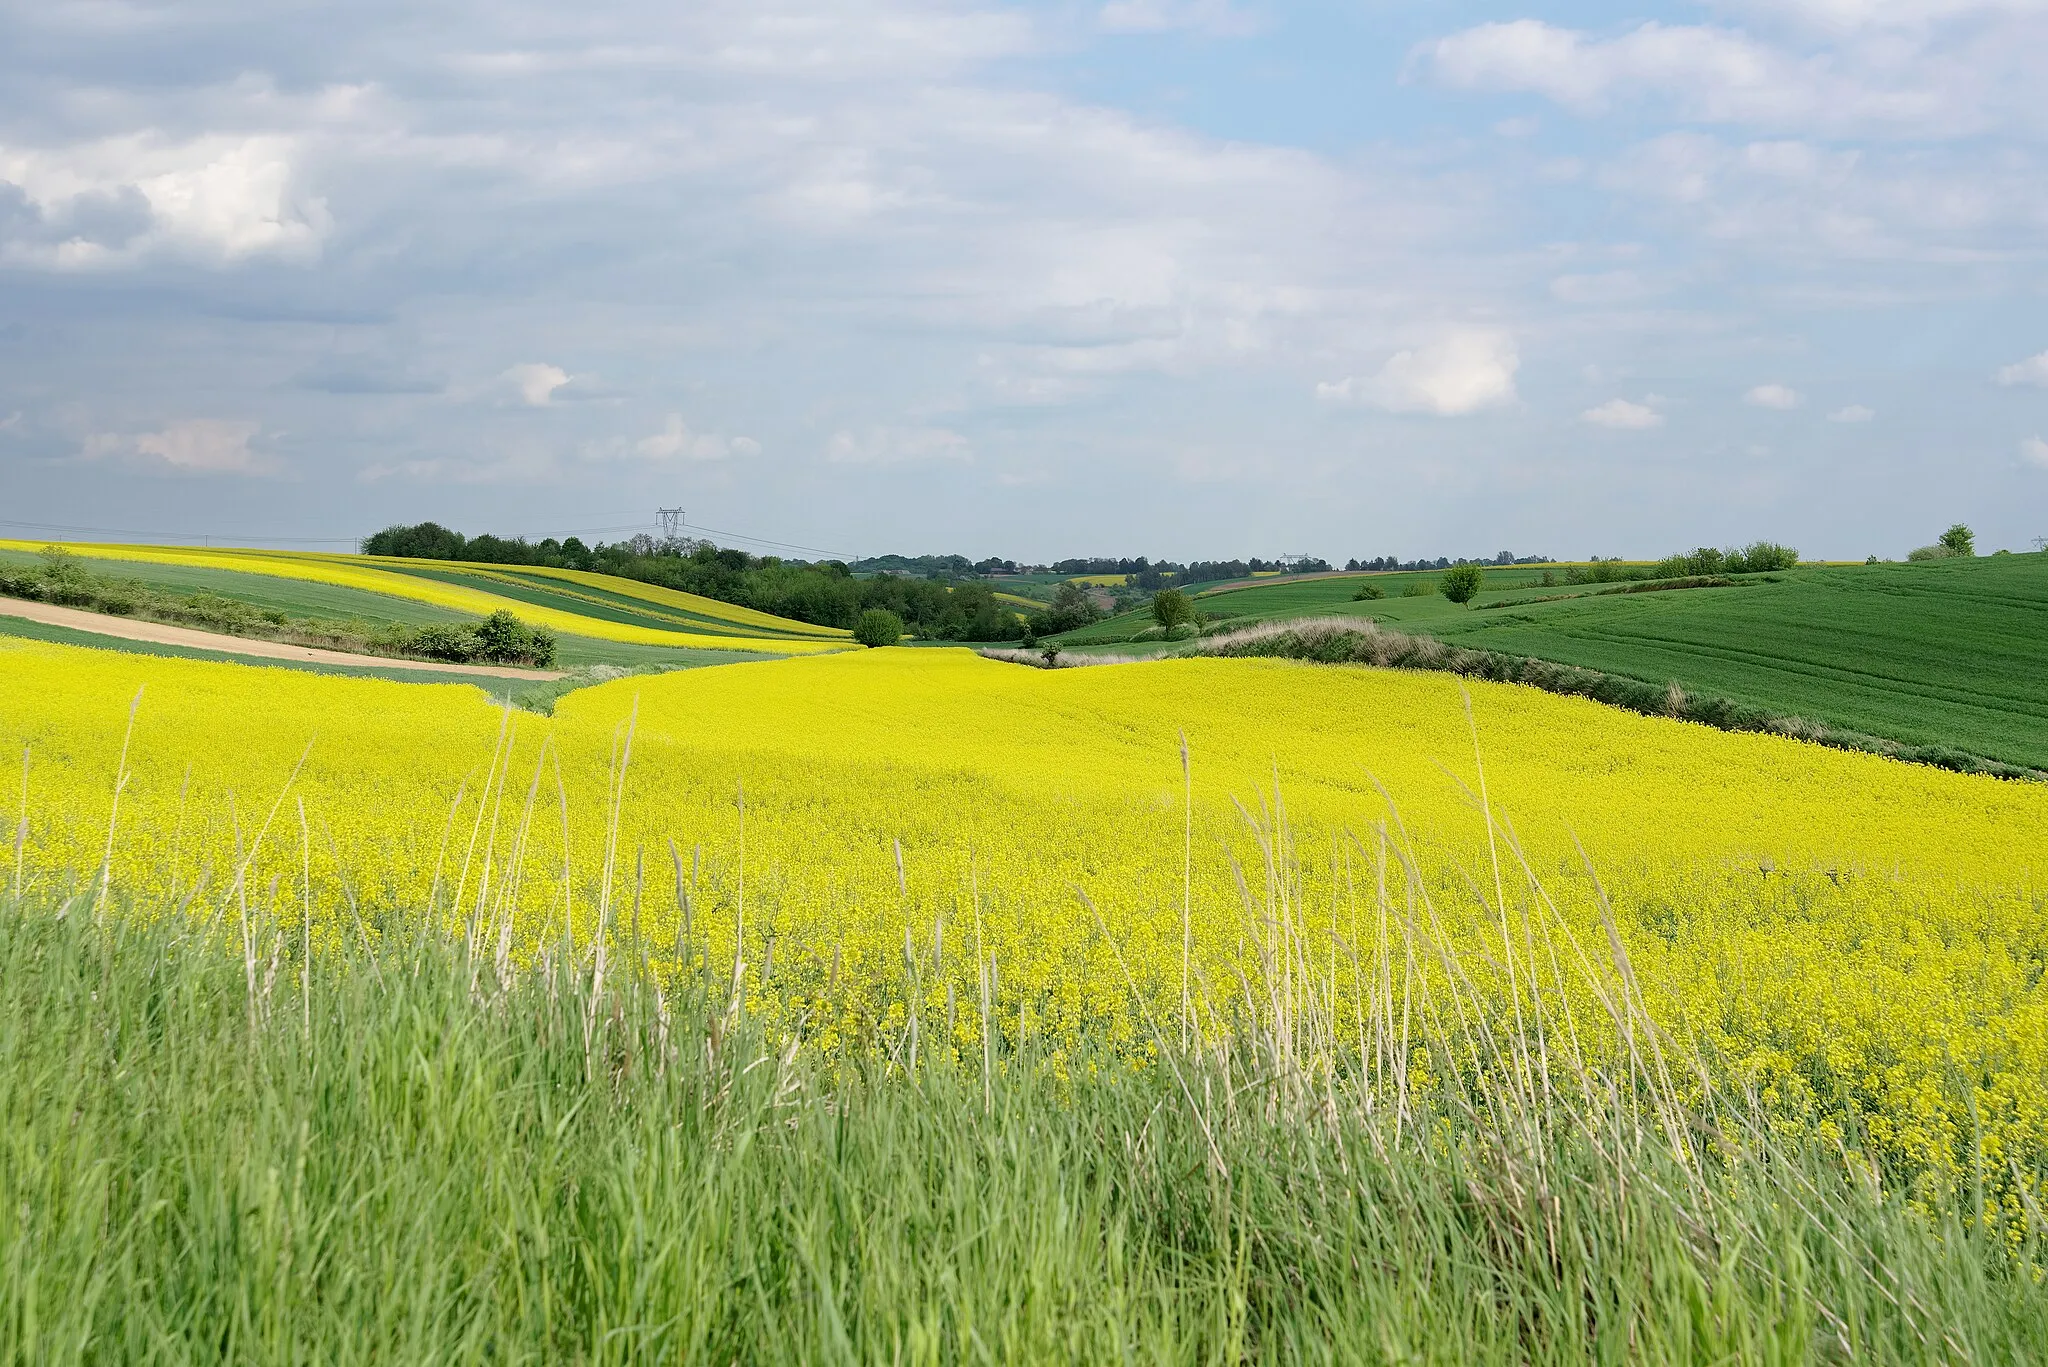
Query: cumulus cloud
{"points": [[116, 201], [195, 446], [897, 446], [1623, 416], [1855, 412], [1464, 372], [537, 382], [2032, 371], [675, 441], [1783, 398], [2034, 451]]}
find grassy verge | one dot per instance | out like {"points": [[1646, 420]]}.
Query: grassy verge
{"points": [[221, 1147]]}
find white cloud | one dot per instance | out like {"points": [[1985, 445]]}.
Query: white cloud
{"points": [[1855, 412], [2032, 371], [118, 200], [676, 441], [199, 446], [537, 382], [1623, 416], [897, 446], [1910, 84], [1783, 398], [1215, 17], [1462, 373], [2034, 451], [1722, 68]]}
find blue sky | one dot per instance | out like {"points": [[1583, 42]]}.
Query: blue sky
{"points": [[1174, 277]]}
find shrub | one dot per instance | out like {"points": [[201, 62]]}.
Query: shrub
{"points": [[502, 638], [1172, 608], [1934, 552], [455, 644], [1760, 556], [878, 627], [1368, 592], [1419, 588], [1461, 583]]}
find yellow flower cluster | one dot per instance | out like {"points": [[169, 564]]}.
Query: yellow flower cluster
{"points": [[869, 832], [358, 572]]}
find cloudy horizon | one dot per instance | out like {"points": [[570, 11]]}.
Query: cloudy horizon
{"points": [[1185, 278]]}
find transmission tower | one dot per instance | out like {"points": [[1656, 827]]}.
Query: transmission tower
{"points": [[671, 520]]}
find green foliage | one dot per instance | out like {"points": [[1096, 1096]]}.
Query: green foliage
{"points": [[1959, 540], [1419, 588], [1368, 592], [1761, 557], [1758, 557], [878, 627], [1172, 608], [1072, 606], [1461, 583], [414, 1155]]}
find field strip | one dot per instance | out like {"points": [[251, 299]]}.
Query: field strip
{"points": [[680, 600], [1796, 667], [159, 633]]}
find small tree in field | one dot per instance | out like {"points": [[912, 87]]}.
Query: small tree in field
{"points": [[878, 627], [1171, 608], [1959, 540], [1461, 583]]}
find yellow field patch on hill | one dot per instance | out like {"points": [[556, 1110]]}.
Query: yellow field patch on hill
{"points": [[353, 572]]}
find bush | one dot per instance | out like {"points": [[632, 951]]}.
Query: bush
{"points": [[1935, 552], [878, 627], [456, 645], [1172, 608], [502, 638], [1368, 592], [1959, 540], [1461, 583], [1760, 556]]}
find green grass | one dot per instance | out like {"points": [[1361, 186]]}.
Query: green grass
{"points": [[1950, 652], [217, 1151]]}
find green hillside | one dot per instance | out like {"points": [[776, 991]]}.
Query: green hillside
{"points": [[1947, 652]]}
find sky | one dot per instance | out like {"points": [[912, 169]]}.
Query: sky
{"points": [[1182, 278]]}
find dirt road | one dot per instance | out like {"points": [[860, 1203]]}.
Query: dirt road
{"points": [[157, 633]]}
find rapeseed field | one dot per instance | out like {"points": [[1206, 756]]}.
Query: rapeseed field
{"points": [[920, 848]]}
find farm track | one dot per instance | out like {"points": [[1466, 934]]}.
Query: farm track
{"points": [[160, 633]]}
